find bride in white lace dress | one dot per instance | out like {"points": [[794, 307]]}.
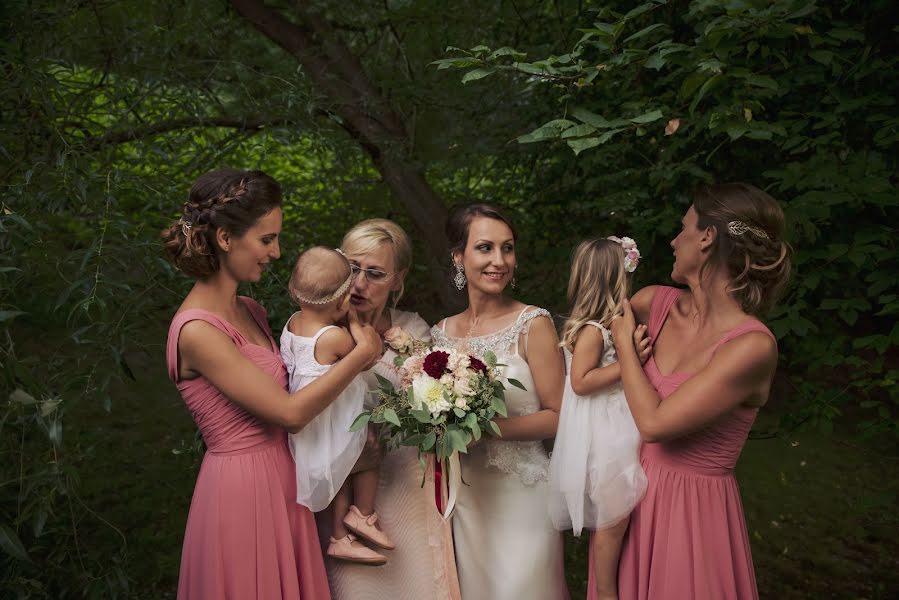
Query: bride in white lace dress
{"points": [[505, 544]]}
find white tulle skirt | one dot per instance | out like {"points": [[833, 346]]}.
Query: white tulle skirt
{"points": [[325, 450], [595, 478]]}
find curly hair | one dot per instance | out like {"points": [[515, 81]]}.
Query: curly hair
{"points": [[229, 199], [750, 243]]}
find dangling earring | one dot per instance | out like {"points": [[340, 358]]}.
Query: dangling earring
{"points": [[460, 280], [513, 276]]}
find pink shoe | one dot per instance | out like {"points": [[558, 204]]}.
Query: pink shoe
{"points": [[366, 528], [348, 549]]}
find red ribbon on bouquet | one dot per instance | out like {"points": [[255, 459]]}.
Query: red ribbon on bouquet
{"points": [[438, 477]]}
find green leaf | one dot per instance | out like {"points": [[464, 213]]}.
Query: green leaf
{"points": [[479, 73], [384, 383], [643, 32], [8, 315], [391, 417], [825, 57], [494, 428], [360, 421], [588, 117], [428, 442], [499, 406], [12, 545], [762, 81], [459, 412], [578, 131], [655, 61], [649, 117], [422, 415], [583, 144], [706, 87], [507, 51], [414, 440], [517, 384]]}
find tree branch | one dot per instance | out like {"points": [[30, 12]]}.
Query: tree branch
{"points": [[131, 134], [365, 114]]}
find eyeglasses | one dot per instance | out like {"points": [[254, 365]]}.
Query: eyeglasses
{"points": [[375, 276]]}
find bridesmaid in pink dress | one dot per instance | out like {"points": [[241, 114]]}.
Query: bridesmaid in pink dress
{"points": [[246, 536], [695, 400]]}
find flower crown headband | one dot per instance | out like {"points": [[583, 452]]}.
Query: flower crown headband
{"points": [[631, 252]]}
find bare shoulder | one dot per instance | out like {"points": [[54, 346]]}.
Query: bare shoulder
{"points": [[748, 355], [197, 334], [641, 302], [337, 340]]}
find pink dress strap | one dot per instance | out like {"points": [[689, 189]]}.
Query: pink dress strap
{"points": [[662, 302], [198, 314], [748, 326]]}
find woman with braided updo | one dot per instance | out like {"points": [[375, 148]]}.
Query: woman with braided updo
{"points": [[246, 537], [695, 399]]}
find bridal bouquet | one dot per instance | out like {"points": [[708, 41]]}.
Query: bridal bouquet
{"points": [[446, 398]]}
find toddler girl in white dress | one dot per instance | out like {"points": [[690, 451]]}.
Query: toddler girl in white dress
{"points": [[327, 454], [595, 477]]}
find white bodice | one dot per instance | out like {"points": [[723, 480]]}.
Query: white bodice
{"points": [[527, 459]]}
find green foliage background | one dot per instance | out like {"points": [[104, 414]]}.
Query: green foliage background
{"points": [[111, 109]]}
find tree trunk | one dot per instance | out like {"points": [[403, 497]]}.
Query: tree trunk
{"points": [[367, 116]]}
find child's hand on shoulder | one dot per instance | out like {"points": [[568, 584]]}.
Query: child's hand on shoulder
{"points": [[642, 343]]}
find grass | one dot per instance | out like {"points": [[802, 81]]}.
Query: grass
{"points": [[820, 508]]}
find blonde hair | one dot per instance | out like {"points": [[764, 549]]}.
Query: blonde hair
{"points": [[597, 286], [318, 277], [754, 254], [366, 236]]}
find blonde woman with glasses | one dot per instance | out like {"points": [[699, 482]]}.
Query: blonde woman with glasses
{"points": [[422, 564]]}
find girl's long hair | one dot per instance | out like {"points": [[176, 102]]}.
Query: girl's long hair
{"points": [[597, 287]]}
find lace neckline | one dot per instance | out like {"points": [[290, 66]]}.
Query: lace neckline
{"points": [[499, 341]]}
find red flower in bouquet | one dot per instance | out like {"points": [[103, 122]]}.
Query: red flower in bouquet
{"points": [[476, 364], [435, 363]]}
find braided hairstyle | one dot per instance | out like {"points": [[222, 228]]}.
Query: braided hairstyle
{"points": [[227, 199], [750, 243]]}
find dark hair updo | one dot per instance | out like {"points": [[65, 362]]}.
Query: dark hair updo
{"points": [[460, 218], [750, 243], [229, 199]]}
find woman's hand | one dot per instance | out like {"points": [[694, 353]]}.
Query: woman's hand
{"points": [[367, 339]]}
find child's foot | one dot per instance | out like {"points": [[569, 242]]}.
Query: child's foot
{"points": [[350, 550], [367, 528]]}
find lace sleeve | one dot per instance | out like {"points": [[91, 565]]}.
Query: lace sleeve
{"points": [[609, 355], [523, 328]]}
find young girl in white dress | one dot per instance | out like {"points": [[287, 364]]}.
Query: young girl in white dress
{"points": [[595, 477], [326, 452]]}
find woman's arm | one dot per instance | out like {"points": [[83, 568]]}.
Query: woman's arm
{"points": [[641, 302], [212, 354], [739, 373], [548, 371]]}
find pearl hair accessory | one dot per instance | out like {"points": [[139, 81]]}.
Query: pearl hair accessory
{"points": [[331, 297]]}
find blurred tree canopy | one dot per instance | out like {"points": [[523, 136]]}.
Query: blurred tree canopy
{"points": [[585, 118]]}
